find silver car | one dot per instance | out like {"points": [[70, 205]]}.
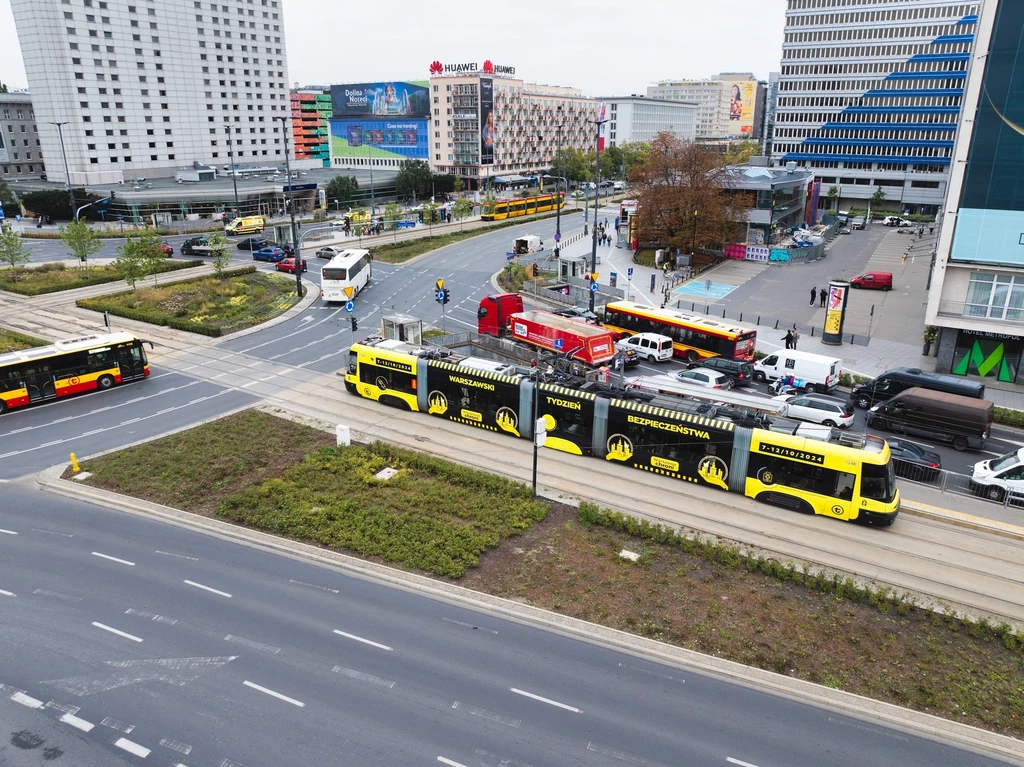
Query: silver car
{"points": [[704, 377]]}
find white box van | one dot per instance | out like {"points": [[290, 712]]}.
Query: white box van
{"points": [[817, 371], [618, 186], [648, 346]]}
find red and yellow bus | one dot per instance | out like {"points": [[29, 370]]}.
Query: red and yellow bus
{"points": [[70, 367], [694, 336], [524, 206]]}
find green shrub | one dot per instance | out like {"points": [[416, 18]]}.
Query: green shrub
{"points": [[1009, 416], [76, 278]]}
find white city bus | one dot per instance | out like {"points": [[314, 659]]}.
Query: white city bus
{"points": [[349, 269]]}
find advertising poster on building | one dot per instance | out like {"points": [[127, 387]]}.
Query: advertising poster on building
{"points": [[486, 121], [394, 99], [990, 222], [835, 312], [741, 108], [602, 121], [404, 139]]}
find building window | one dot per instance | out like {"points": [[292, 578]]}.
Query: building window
{"points": [[995, 296]]}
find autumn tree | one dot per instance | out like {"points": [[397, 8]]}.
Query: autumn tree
{"points": [[685, 198], [739, 152]]}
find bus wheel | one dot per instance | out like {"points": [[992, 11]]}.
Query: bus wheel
{"points": [[401, 404], [3, 407], [960, 443], [104, 382], [351, 387], [692, 356]]}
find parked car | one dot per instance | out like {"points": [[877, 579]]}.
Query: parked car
{"points": [[857, 223], [708, 379], [576, 313], [741, 373], [912, 461], [166, 249], [328, 252], [618, 186], [288, 265], [896, 221], [578, 194], [630, 359], [995, 478], [252, 243], [844, 230], [818, 408], [273, 255], [873, 281]]}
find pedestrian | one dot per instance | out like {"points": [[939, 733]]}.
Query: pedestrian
{"points": [[796, 336], [824, 296], [931, 230], [814, 295], [788, 338]]}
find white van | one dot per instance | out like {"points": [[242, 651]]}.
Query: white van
{"points": [[618, 187], [648, 346], [817, 371]]}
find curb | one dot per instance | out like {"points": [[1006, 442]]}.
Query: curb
{"points": [[871, 711], [960, 519]]}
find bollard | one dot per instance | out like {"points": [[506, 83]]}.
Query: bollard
{"points": [[741, 317], [776, 324], [74, 464], [344, 435], [812, 331], [759, 319]]}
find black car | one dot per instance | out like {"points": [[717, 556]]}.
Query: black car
{"points": [[576, 313], [913, 461], [741, 373], [252, 243]]}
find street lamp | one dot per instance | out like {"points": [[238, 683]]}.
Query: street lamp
{"points": [[597, 197], [67, 173], [89, 205], [373, 202], [903, 191], [291, 205], [234, 170], [693, 239]]}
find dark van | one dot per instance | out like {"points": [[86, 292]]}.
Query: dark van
{"points": [[894, 381], [963, 421]]}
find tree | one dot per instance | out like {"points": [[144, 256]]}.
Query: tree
{"points": [[429, 211], [833, 197], [13, 253], [54, 204], [342, 189], [221, 255], [878, 198], [458, 186], [572, 164], [684, 195], [3, 88], [8, 199], [462, 209], [444, 183], [131, 261], [81, 240], [392, 214], [739, 152], [489, 201], [413, 178]]}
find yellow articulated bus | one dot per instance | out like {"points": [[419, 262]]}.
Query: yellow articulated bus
{"points": [[524, 206], [841, 475]]}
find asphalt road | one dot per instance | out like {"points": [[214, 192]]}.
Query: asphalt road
{"points": [[179, 648]]}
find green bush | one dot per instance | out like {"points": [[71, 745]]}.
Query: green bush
{"points": [[848, 381], [25, 285], [1009, 417]]}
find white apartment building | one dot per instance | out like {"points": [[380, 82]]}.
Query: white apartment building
{"points": [[145, 87], [638, 118], [730, 105], [485, 127], [21, 154], [869, 96]]}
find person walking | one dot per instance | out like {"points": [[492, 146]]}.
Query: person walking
{"points": [[814, 295], [796, 336], [788, 338], [823, 295]]}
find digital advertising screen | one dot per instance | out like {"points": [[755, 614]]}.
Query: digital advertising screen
{"points": [[486, 121], [369, 137], [384, 99], [741, 108]]}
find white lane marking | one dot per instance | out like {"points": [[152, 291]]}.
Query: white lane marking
{"points": [[250, 643], [352, 673], [8, 593], [116, 724], [75, 721], [449, 762], [132, 748], [622, 756], [652, 673], [364, 641], [51, 532], [56, 595], [182, 748], [179, 556], [738, 763], [26, 700], [314, 586], [469, 625], [62, 708], [483, 713], [115, 631], [7, 532], [544, 700], [113, 559], [277, 695], [151, 616], [207, 588]]}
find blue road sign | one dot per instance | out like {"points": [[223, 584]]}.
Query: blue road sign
{"points": [[558, 344], [120, 217], [510, 256], [629, 272], [558, 237], [1, 211], [593, 287], [350, 306]]}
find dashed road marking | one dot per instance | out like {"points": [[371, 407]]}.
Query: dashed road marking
{"points": [[273, 694], [314, 586], [7, 593], [622, 756], [132, 747], [207, 588], [56, 595], [115, 631], [483, 713], [179, 556], [550, 702], [7, 532], [51, 532], [449, 762], [77, 722], [26, 700], [364, 641], [353, 674], [120, 726], [183, 748], [254, 645], [151, 616], [469, 625], [113, 559]]}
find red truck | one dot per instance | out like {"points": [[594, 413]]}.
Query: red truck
{"points": [[503, 314]]}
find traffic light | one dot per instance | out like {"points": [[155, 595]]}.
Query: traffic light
{"points": [[355, 324], [536, 270], [444, 296], [421, 216]]}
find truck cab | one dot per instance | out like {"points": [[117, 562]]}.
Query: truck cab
{"points": [[493, 314]]}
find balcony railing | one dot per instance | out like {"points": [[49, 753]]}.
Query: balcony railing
{"points": [[982, 312]]}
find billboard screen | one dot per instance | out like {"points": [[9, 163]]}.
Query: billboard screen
{"points": [[368, 137], [486, 121], [990, 224], [741, 108], [394, 99]]}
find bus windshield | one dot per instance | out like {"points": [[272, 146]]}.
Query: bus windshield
{"points": [[878, 482]]}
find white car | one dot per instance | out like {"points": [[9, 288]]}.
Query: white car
{"points": [[995, 478], [817, 408], [709, 379], [652, 347]]}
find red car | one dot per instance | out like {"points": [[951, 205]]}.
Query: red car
{"points": [[873, 281], [288, 265], [166, 249]]}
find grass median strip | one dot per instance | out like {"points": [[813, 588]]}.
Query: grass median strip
{"points": [[54, 277], [211, 305], [442, 518], [13, 341]]}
